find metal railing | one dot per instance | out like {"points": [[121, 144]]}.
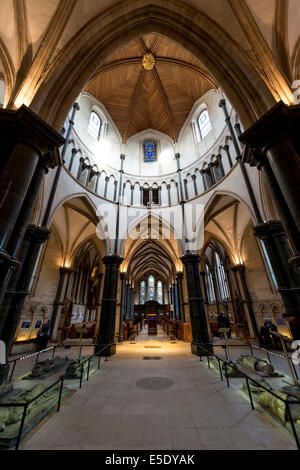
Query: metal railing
{"points": [[61, 381], [268, 352], [37, 354], [248, 379]]}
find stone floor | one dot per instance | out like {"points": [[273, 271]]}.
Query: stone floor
{"points": [[174, 402]]}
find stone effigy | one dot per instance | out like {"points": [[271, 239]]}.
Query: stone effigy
{"points": [[11, 416], [231, 368], [260, 366], [273, 404], [45, 368]]}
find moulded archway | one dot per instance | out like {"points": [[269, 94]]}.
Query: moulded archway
{"points": [[84, 53]]}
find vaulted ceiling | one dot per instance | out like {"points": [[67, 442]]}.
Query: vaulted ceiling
{"points": [[160, 98]]}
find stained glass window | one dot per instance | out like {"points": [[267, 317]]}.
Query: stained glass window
{"points": [[151, 288], [142, 292], [204, 124], [149, 151], [94, 125], [159, 292]]}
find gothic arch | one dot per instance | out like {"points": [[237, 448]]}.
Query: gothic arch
{"points": [[81, 57]]}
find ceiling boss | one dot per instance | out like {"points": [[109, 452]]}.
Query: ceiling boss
{"points": [[148, 61]]}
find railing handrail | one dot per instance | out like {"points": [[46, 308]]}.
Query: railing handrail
{"points": [[93, 355], [61, 381], [230, 364]]}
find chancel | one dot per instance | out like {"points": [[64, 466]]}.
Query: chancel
{"points": [[149, 225]]}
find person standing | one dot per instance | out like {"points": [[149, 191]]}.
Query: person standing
{"points": [[43, 336]]}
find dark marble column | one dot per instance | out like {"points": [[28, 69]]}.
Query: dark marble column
{"points": [[74, 151], [59, 300], [15, 296], [16, 238], [287, 275], [203, 179], [179, 277], [226, 148], [197, 309], [123, 277], [256, 158], [109, 301], [250, 191], [195, 184], [97, 182], [247, 302], [276, 136], [29, 154]]}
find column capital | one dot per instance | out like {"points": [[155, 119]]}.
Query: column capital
{"points": [[238, 268], [177, 155], [190, 258], [122, 156], [25, 125], [123, 276], [36, 233], [267, 229], [112, 259], [280, 121]]}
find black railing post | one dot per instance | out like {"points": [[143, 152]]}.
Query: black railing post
{"points": [[81, 374], [251, 350], [21, 426], [37, 357], [208, 362], [88, 370], [292, 425], [220, 369], [226, 374], [54, 349], [98, 361], [60, 394], [249, 392], [293, 365], [13, 369]]}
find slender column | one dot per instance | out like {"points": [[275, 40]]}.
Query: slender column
{"points": [[131, 198], [88, 176], [169, 195], [97, 182], [105, 187], [58, 171], [203, 179], [258, 217], [74, 151], [212, 173], [122, 158], [159, 195], [287, 275], [109, 302], [59, 301], [150, 195], [226, 148], [185, 189], [180, 195], [179, 277], [219, 157], [240, 269], [123, 277], [197, 309], [81, 160], [15, 298], [115, 190], [195, 184]]}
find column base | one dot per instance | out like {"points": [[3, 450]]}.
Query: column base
{"points": [[109, 351], [196, 349]]}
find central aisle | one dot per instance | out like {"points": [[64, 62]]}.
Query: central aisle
{"points": [[171, 402]]}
